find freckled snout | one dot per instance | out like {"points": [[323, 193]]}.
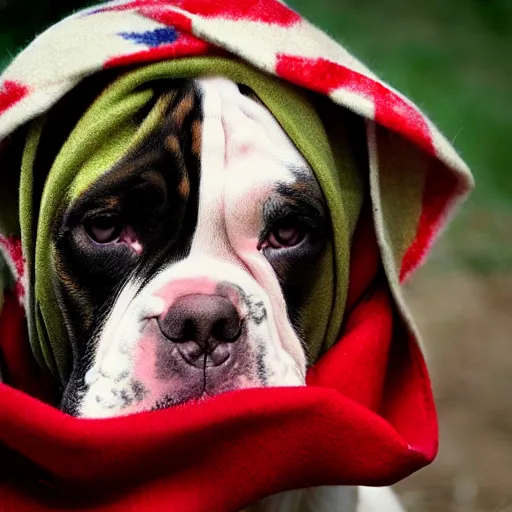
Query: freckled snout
{"points": [[202, 327]]}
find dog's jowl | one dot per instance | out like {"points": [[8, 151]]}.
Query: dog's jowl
{"points": [[178, 270]]}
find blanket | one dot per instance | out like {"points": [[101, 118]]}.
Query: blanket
{"points": [[366, 416]]}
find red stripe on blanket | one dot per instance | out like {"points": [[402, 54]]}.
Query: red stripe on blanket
{"points": [[12, 247], [439, 185], [11, 93], [391, 110], [242, 10], [168, 17], [161, 12], [250, 10], [185, 46]]}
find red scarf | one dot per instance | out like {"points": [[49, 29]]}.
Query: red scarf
{"points": [[366, 417]]}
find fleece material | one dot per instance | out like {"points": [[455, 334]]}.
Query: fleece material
{"points": [[112, 127], [366, 416]]}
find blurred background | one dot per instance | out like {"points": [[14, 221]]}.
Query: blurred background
{"points": [[454, 60]]}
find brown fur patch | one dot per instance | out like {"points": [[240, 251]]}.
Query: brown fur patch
{"points": [[182, 109], [172, 144], [184, 187], [197, 133], [111, 202]]}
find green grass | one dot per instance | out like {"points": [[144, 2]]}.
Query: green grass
{"points": [[452, 59]]}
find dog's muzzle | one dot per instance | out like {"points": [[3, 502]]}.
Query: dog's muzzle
{"points": [[203, 327]]}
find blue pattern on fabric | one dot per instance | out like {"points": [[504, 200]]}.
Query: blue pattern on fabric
{"points": [[152, 38]]}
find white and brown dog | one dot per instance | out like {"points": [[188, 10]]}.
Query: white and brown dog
{"points": [[183, 270]]}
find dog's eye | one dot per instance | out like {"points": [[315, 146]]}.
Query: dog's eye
{"points": [[104, 229], [286, 233]]}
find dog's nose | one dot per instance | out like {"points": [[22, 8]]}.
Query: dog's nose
{"points": [[202, 324]]}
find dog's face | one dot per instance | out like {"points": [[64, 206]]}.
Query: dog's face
{"points": [[182, 272]]}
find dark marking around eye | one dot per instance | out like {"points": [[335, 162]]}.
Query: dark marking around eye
{"points": [[155, 190], [299, 205]]}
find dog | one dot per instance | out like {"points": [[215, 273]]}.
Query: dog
{"points": [[181, 272]]}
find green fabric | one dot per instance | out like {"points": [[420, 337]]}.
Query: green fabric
{"points": [[401, 193], [110, 128], [397, 172], [27, 215]]}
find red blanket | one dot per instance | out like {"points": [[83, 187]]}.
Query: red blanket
{"points": [[366, 417]]}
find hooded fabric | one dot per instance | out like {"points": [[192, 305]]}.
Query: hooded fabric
{"points": [[366, 416], [116, 124]]}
